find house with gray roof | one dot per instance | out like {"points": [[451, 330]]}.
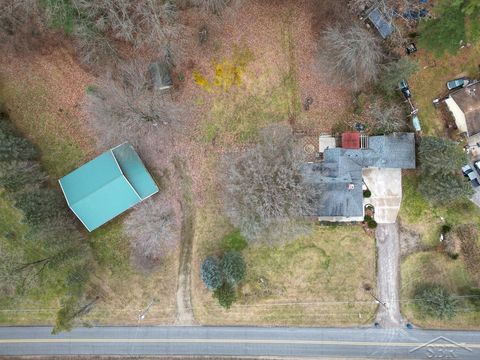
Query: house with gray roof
{"points": [[338, 180], [464, 105]]}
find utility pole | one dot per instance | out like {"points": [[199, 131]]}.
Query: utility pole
{"points": [[384, 304], [143, 313]]}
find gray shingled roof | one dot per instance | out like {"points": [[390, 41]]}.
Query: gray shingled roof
{"points": [[468, 100], [341, 167]]}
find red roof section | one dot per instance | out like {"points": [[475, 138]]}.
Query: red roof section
{"points": [[351, 140]]}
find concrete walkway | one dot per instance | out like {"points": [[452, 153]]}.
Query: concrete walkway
{"points": [[388, 275]]}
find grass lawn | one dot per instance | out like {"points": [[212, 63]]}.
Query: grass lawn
{"points": [[247, 92], [314, 280], [53, 123], [432, 265], [429, 83], [440, 269]]}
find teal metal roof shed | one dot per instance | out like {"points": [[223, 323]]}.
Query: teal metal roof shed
{"points": [[107, 186]]}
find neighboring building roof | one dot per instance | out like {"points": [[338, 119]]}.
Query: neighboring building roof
{"points": [[468, 101], [108, 185], [378, 20], [351, 140], [337, 180]]}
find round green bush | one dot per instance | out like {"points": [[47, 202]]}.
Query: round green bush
{"points": [[372, 224], [233, 267], [434, 300], [367, 193], [234, 241], [225, 295], [211, 273]]}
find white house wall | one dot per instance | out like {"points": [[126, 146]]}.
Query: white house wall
{"points": [[458, 115]]}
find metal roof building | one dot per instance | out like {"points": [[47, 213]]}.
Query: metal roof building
{"points": [[107, 186], [384, 27]]}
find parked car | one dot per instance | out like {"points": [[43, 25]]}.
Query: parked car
{"points": [[471, 175], [466, 170], [403, 86], [476, 164], [458, 83]]}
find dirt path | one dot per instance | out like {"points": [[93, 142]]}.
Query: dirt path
{"points": [[184, 313], [388, 275]]}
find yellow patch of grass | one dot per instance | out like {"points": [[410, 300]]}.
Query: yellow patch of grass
{"points": [[245, 97]]}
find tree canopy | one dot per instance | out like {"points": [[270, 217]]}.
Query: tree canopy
{"points": [[264, 186], [211, 273], [435, 301], [233, 267], [440, 165]]}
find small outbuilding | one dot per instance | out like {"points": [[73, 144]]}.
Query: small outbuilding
{"points": [[160, 76], [464, 104], [107, 186], [379, 20]]}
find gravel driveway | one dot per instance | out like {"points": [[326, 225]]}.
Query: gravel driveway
{"points": [[388, 275]]}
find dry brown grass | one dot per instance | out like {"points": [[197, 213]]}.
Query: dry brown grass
{"points": [[43, 94], [281, 37]]}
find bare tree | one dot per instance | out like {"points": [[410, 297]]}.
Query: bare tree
{"points": [[144, 23], [93, 46], [387, 118], [215, 6], [123, 106], [154, 231], [21, 25], [16, 14], [264, 187], [353, 53]]}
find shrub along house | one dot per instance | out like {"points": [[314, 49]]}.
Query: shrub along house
{"points": [[107, 186], [375, 162]]}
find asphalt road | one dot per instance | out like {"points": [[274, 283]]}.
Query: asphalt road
{"points": [[243, 341]]}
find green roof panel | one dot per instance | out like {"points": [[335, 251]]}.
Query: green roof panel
{"points": [[107, 186], [105, 203], [134, 170], [90, 177]]}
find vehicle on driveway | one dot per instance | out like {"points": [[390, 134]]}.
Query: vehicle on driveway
{"points": [[458, 83], [471, 175], [403, 86]]}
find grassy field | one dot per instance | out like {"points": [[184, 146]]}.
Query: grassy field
{"points": [[433, 265], [245, 98], [51, 120], [439, 269], [315, 280]]}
